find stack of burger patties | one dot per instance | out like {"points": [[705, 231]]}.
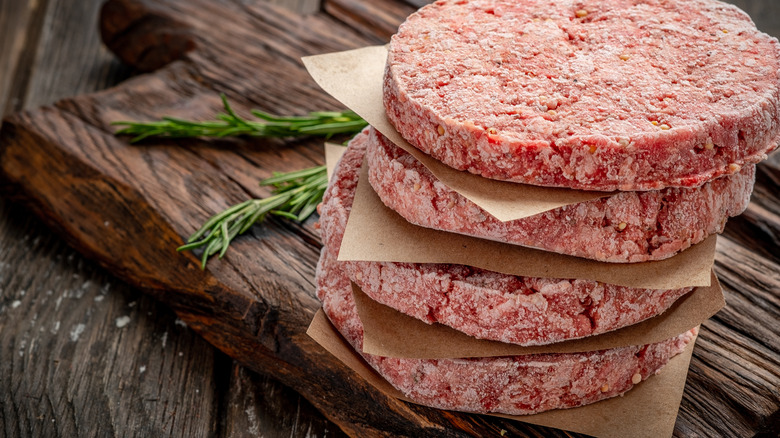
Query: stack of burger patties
{"points": [[664, 106]]}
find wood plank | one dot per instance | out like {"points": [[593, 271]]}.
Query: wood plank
{"points": [[255, 303], [83, 353], [259, 405], [300, 6], [19, 25], [68, 57], [67, 369], [379, 19]]}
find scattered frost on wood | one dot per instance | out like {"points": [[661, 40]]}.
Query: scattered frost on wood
{"points": [[122, 321], [76, 332]]}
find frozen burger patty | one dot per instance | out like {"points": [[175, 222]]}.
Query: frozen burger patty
{"points": [[481, 303], [511, 385], [599, 95], [626, 227]]}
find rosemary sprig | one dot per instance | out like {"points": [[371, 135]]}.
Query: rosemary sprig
{"points": [[230, 124], [295, 196]]}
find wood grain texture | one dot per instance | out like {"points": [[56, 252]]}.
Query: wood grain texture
{"points": [[66, 368], [375, 19], [20, 22], [129, 207]]}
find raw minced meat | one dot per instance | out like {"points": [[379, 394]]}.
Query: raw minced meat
{"points": [[515, 385], [481, 303], [625, 227], [596, 95]]}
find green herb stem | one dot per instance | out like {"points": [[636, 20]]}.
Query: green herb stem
{"points": [[295, 195], [230, 124]]}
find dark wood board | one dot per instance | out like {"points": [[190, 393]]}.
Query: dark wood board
{"points": [[129, 207], [66, 368]]}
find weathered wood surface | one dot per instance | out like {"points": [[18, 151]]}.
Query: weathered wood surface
{"points": [[128, 208], [66, 368]]}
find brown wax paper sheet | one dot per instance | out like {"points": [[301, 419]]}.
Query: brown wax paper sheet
{"points": [[355, 79], [649, 410], [377, 233], [333, 153], [389, 333]]}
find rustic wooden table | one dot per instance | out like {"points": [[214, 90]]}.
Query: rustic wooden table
{"points": [[82, 353], [85, 354]]}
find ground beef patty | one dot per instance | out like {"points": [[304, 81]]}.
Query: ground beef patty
{"points": [[626, 227], [481, 303], [586, 94], [512, 385]]}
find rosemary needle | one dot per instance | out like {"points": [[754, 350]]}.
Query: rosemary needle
{"points": [[295, 195]]}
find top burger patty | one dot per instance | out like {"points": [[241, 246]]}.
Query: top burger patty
{"points": [[599, 95]]}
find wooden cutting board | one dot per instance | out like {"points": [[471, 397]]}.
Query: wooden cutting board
{"points": [[129, 207]]}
